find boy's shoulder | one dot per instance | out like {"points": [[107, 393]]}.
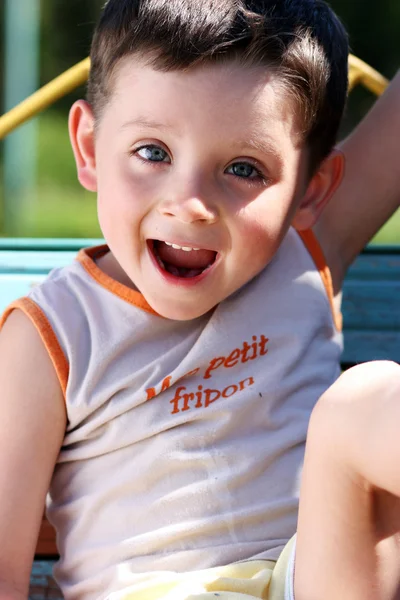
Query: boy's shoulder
{"points": [[75, 301]]}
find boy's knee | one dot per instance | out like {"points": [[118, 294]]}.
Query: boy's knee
{"points": [[363, 383], [351, 404], [375, 373]]}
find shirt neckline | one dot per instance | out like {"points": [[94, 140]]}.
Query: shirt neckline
{"points": [[86, 257]]}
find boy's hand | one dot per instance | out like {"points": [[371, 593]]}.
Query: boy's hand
{"points": [[370, 191]]}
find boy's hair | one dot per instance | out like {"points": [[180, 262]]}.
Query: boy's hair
{"points": [[302, 41]]}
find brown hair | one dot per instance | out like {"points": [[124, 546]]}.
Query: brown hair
{"points": [[303, 41]]}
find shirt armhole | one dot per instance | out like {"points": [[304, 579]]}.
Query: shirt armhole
{"points": [[45, 330], [315, 251]]}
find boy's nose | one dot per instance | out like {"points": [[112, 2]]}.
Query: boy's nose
{"points": [[190, 210]]}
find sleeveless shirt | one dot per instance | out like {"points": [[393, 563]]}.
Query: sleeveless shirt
{"points": [[185, 439]]}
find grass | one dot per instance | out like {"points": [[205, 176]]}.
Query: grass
{"points": [[59, 207], [59, 213]]}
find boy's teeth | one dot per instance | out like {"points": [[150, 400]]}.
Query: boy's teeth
{"points": [[185, 248]]}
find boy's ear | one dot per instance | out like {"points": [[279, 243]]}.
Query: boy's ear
{"points": [[321, 188], [81, 133]]}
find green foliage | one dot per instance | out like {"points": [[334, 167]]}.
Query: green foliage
{"points": [[59, 206], [390, 233], [59, 212], [54, 151]]}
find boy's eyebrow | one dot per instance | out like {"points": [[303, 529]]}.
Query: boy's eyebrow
{"points": [[264, 146], [145, 123]]}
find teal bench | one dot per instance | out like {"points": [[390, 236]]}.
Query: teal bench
{"points": [[371, 312], [371, 307]]}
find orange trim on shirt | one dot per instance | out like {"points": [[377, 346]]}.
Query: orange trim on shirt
{"points": [[45, 330], [315, 250], [86, 259]]}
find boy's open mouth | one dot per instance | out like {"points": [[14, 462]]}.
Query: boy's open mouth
{"points": [[185, 262]]}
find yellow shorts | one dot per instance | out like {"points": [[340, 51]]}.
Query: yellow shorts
{"points": [[240, 581]]}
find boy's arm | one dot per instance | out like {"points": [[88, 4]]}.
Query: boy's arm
{"points": [[32, 426], [370, 191]]}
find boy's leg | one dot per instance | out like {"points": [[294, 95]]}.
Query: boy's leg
{"points": [[350, 498]]}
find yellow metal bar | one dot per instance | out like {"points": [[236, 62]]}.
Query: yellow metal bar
{"points": [[359, 73], [44, 97]]}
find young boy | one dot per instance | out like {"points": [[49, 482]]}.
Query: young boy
{"points": [[163, 384]]}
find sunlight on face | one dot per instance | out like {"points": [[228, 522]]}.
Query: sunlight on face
{"points": [[199, 174]]}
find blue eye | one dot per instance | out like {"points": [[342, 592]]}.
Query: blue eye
{"points": [[244, 170], [153, 153]]}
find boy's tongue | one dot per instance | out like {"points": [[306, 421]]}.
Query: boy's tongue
{"points": [[195, 259]]}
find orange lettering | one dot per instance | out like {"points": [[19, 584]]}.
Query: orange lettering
{"points": [[166, 383], [234, 389], [186, 399], [176, 398], [245, 351], [209, 398], [198, 396], [232, 359], [194, 372], [263, 345], [214, 364], [249, 381], [151, 392]]}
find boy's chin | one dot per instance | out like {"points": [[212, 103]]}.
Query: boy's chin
{"points": [[176, 309], [179, 313]]}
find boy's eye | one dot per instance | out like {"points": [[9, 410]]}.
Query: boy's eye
{"points": [[244, 170], [153, 153]]}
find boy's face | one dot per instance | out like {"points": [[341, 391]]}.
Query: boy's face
{"points": [[199, 175]]}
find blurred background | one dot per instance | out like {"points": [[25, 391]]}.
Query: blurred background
{"points": [[39, 194]]}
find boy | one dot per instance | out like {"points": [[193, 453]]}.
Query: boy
{"points": [[163, 383]]}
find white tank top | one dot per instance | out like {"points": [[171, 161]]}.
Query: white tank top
{"points": [[185, 439]]}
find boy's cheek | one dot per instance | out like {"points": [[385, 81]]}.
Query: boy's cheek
{"points": [[261, 229]]}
